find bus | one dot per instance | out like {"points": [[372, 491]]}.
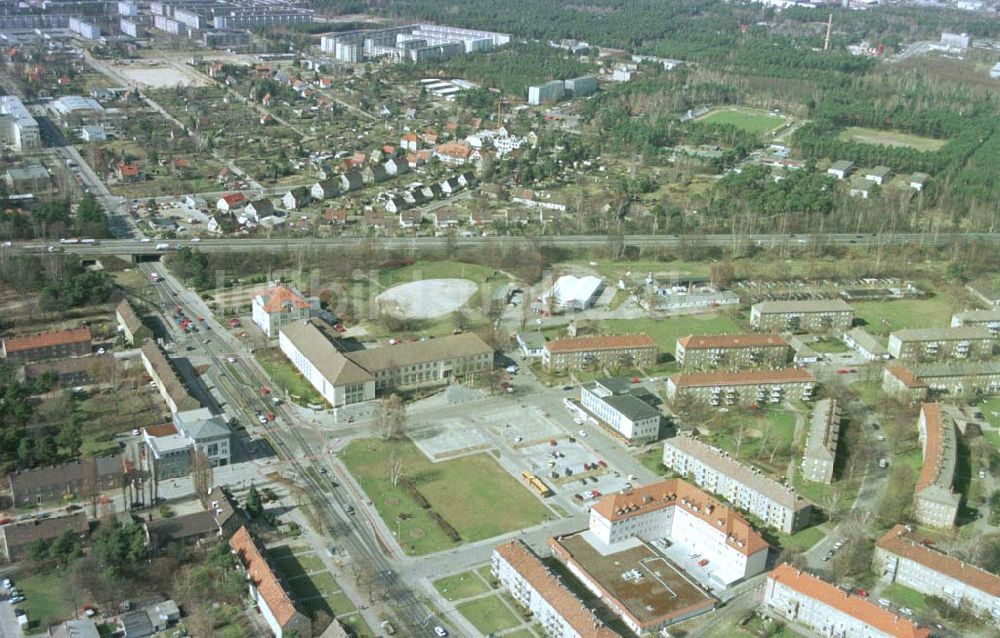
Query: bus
{"points": [[536, 483]]}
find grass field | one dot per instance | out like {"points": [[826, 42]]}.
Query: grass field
{"points": [[49, 598], [489, 615], [906, 597], [473, 494], [883, 317], [799, 541], [460, 586], [751, 120], [890, 138], [667, 331], [763, 430], [284, 375]]}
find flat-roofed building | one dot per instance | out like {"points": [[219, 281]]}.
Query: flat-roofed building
{"points": [[930, 344], [806, 600], [344, 377], [990, 319], [742, 485], [861, 341], [546, 93], [18, 127], [169, 451], [56, 344], [627, 413], [744, 387], [820, 454], [935, 502], [732, 351], [629, 351], [553, 605], [824, 315], [678, 511], [902, 557]]}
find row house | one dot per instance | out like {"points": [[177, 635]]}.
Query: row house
{"points": [[55, 344]]}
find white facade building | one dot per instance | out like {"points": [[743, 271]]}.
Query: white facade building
{"points": [[614, 405], [743, 486], [280, 305], [19, 128]]}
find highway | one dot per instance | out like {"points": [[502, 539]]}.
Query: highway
{"points": [[239, 378], [147, 246]]}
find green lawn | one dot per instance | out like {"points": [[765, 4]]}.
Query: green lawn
{"points": [[357, 626], [473, 494], [521, 633], [486, 573], [891, 138], [461, 586], [313, 586], [50, 598], [882, 317], [653, 461], [751, 120], [293, 566], [489, 615], [285, 377], [830, 345], [991, 410], [763, 430], [799, 541], [421, 270], [833, 498], [667, 331], [906, 597]]}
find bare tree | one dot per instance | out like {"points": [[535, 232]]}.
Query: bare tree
{"points": [[201, 474], [395, 463], [90, 487], [392, 418]]}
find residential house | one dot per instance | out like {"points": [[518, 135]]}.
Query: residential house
{"points": [[280, 305], [351, 180], [410, 142], [296, 198], [80, 479], [732, 351], [926, 344], [456, 153], [466, 179], [282, 615], [15, 538], [257, 210], [373, 174], [397, 204], [444, 218], [832, 315], [935, 502], [222, 224], [161, 370], [743, 486], [532, 344], [630, 351], [396, 166], [55, 344], [410, 218], [231, 201], [801, 598], [325, 189], [127, 172], [93, 133], [744, 387]]}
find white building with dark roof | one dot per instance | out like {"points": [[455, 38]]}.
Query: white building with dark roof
{"points": [[614, 404], [18, 126]]}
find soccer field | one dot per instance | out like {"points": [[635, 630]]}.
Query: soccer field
{"points": [[759, 122]]}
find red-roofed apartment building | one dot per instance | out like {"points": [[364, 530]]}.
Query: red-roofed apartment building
{"points": [[901, 557], [48, 345], [732, 351], [281, 305], [935, 503], [900, 381], [806, 600], [267, 590], [631, 351]]}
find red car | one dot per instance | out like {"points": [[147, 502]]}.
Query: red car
{"points": [[270, 416], [703, 562], [860, 592], [265, 390], [553, 442]]}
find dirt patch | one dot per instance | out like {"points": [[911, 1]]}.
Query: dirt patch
{"points": [[426, 299], [161, 76]]}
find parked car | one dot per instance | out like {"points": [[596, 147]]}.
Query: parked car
{"points": [[440, 631]]}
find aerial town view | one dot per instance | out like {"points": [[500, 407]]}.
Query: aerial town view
{"points": [[500, 318]]}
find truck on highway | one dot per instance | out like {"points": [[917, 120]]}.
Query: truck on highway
{"points": [[163, 246]]}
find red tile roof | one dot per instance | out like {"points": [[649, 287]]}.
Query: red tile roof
{"points": [[263, 577], [669, 493], [454, 149], [906, 377], [128, 170], [900, 542], [742, 377], [609, 342], [701, 342], [47, 339], [233, 198], [562, 600], [867, 612], [279, 298], [934, 441]]}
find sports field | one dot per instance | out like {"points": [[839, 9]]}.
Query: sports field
{"points": [[891, 138], [751, 120], [472, 494]]}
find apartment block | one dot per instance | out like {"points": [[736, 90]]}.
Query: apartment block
{"points": [[130, 325], [268, 590], [678, 511], [56, 344], [630, 351], [990, 319], [935, 502], [828, 315], [627, 412], [742, 485], [17, 126], [732, 351], [745, 387], [799, 597], [557, 609], [933, 344], [168, 382], [820, 453], [902, 557], [546, 93]]}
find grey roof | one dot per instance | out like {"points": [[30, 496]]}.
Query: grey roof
{"points": [[178, 528], [812, 305], [723, 464], [842, 165], [953, 369], [977, 316], [533, 340], [20, 534], [64, 474], [136, 624], [405, 354], [824, 429], [128, 316], [942, 334], [615, 385], [201, 425], [311, 340], [27, 173], [919, 178], [71, 103], [866, 341], [168, 377], [879, 171], [631, 406], [76, 629]]}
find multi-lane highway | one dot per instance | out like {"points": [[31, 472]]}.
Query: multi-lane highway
{"points": [[133, 246]]}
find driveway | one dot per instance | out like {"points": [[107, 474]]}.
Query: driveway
{"points": [[9, 627]]}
